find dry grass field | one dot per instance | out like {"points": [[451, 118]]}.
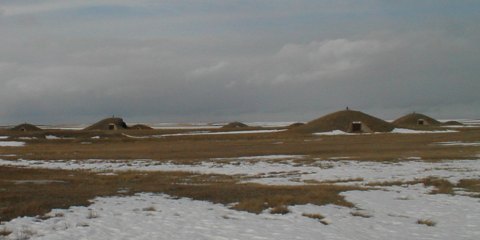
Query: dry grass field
{"points": [[30, 192], [41, 190], [149, 144]]}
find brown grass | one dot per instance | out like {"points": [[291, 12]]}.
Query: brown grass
{"points": [[360, 214], [113, 145], [280, 209], [442, 186], [427, 222], [314, 215], [149, 209], [311, 181], [4, 231], [79, 187], [471, 185]]}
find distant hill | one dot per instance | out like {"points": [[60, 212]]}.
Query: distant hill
{"points": [[416, 119], [235, 125], [108, 124], [26, 127]]}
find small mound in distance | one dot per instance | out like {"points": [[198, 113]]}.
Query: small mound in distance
{"points": [[140, 127], [235, 125], [452, 123], [416, 119], [26, 127]]}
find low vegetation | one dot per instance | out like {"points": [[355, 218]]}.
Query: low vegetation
{"points": [[147, 144], [470, 185], [427, 222], [4, 231], [149, 209], [76, 188], [360, 214], [280, 209], [441, 186], [73, 188]]}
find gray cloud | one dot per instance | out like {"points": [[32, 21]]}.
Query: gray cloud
{"points": [[49, 74]]}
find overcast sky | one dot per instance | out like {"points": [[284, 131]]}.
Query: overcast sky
{"points": [[78, 61]]}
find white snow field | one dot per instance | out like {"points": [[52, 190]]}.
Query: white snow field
{"points": [[281, 169], [396, 130], [11, 144], [459, 143], [389, 212]]}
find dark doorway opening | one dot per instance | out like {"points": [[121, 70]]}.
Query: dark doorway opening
{"points": [[421, 122], [111, 126], [356, 126]]}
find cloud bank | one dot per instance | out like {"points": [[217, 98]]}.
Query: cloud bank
{"points": [[164, 61]]}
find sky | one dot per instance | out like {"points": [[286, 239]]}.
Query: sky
{"points": [[78, 61]]}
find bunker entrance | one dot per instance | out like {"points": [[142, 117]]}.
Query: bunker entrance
{"points": [[356, 127]]}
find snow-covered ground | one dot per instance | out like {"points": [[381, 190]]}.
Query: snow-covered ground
{"points": [[197, 133], [410, 131], [389, 212], [53, 137], [281, 169], [11, 144], [459, 143], [219, 133], [396, 130]]}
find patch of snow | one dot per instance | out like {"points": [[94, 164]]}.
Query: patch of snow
{"points": [[396, 210], [458, 143], [4, 137], [414, 158], [460, 126], [457, 217], [220, 133], [396, 130], [263, 157], [339, 158], [95, 137], [11, 144], [64, 127], [410, 131], [281, 170], [137, 137], [390, 212], [51, 137], [27, 138], [183, 126], [334, 132], [36, 181]]}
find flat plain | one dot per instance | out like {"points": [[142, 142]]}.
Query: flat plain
{"points": [[57, 183]]}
